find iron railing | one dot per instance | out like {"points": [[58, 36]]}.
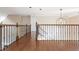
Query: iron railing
{"points": [[11, 33], [58, 32]]}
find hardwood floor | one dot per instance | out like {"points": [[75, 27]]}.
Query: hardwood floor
{"points": [[27, 44]]}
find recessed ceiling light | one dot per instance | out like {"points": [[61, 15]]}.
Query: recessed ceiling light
{"points": [[40, 9], [30, 7]]}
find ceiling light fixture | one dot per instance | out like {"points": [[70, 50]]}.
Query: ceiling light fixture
{"points": [[61, 19]]}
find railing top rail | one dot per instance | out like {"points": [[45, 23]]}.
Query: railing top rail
{"points": [[58, 24], [12, 25]]}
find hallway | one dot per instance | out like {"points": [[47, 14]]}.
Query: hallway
{"points": [[51, 31], [27, 44]]}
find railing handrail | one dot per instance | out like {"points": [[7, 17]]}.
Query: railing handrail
{"points": [[12, 25], [58, 24]]}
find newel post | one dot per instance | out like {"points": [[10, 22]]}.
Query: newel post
{"points": [[26, 29], [36, 31], [17, 37], [0, 36], [0, 25]]}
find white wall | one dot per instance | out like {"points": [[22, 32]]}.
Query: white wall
{"points": [[2, 17], [74, 20], [43, 20], [50, 19], [53, 20], [13, 19]]}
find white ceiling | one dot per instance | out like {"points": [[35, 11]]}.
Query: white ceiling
{"points": [[46, 11]]}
